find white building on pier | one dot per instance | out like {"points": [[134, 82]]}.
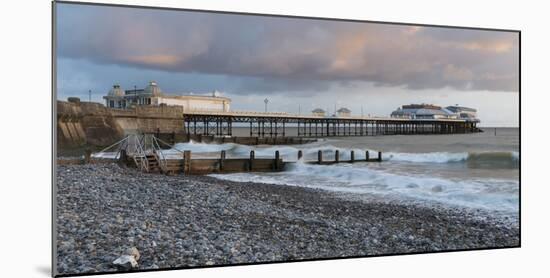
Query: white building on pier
{"points": [[430, 111], [318, 112], [343, 112]]}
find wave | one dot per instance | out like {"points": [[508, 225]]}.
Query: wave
{"points": [[494, 194], [472, 158], [506, 159]]}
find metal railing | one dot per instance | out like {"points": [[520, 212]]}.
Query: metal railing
{"points": [[159, 155], [139, 154]]}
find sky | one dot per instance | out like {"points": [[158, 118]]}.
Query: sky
{"points": [[298, 64]]}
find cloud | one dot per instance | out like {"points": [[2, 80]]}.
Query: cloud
{"points": [[278, 54]]}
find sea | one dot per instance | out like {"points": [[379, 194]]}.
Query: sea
{"points": [[478, 170]]}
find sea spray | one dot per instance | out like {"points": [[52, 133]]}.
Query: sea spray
{"points": [[290, 153]]}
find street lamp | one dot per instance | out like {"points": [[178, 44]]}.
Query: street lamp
{"points": [[266, 101], [89, 95]]}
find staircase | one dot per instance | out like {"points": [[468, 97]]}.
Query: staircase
{"points": [[153, 164], [148, 163]]}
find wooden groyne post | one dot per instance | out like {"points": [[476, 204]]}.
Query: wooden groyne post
{"points": [[251, 160], [319, 156], [336, 156], [222, 159], [366, 155], [186, 162], [122, 159], [276, 164], [379, 156], [300, 154], [352, 156], [88, 155]]}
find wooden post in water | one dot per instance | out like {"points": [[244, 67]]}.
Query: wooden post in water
{"points": [[366, 155], [352, 156], [336, 156], [186, 162], [300, 154], [277, 160], [251, 161], [319, 156], [222, 159], [379, 156]]}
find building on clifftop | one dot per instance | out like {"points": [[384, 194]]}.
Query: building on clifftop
{"points": [[153, 95]]}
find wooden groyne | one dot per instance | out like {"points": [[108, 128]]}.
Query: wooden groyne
{"points": [[145, 153], [189, 165]]}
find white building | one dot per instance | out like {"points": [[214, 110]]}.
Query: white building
{"points": [[423, 111], [152, 95], [465, 113], [343, 112], [318, 112]]}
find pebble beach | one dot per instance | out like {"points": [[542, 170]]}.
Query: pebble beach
{"points": [[189, 221]]}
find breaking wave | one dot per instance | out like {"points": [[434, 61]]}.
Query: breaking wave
{"points": [[474, 159], [493, 194], [479, 159]]}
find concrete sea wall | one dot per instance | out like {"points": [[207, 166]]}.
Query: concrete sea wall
{"points": [[92, 124]]}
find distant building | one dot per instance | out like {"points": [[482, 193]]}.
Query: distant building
{"points": [[343, 112], [152, 95], [423, 111], [465, 113], [318, 112]]}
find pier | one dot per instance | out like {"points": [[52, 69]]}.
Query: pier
{"points": [[277, 124]]}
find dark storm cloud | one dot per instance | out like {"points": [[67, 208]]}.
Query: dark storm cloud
{"points": [[283, 54]]}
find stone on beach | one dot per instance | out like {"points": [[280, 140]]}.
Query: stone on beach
{"points": [[126, 262], [132, 251]]}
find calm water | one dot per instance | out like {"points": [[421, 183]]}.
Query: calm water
{"points": [[473, 170]]}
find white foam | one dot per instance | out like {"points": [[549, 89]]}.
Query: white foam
{"points": [[432, 157], [490, 194], [203, 147], [289, 153]]}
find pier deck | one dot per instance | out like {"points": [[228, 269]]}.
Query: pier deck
{"points": [[277, 124]]}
